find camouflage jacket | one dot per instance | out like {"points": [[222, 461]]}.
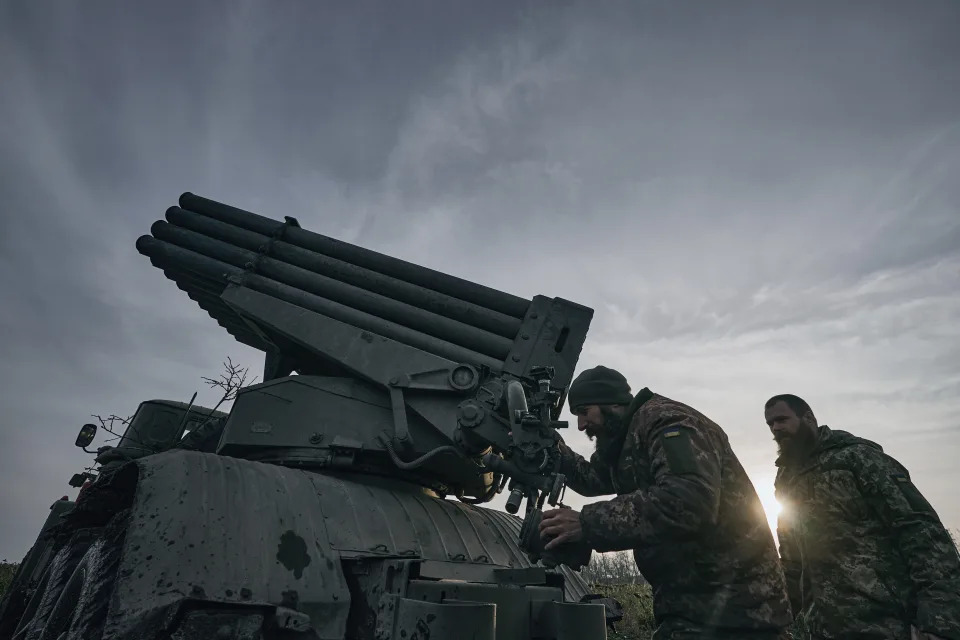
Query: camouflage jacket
{"points": [[864, 554], [689, 512]]}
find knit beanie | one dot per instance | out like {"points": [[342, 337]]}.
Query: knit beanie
{"points": [[599, 385]]}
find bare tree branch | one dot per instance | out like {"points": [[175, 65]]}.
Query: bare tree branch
{"points": [[113, 424], [231, 381]]}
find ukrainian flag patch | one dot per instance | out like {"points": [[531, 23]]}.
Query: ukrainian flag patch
{"points": [[679, 452], [913, 496]]}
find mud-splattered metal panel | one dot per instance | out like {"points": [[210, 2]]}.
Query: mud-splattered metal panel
{"points": [[214, 528], [225, 530]]}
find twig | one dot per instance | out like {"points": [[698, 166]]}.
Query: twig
{"points": [[231, 381]]}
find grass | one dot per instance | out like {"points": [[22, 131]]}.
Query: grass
{"points": [[637, 602]]}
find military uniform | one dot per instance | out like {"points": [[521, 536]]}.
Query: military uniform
{"points": [[864, 554], [693, 519]]}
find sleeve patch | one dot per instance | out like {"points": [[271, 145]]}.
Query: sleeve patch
{"points": [[679, 452], [911, 493]]}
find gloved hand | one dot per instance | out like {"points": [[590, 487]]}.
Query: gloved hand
{"points": [[575, 555], [572, 554]]}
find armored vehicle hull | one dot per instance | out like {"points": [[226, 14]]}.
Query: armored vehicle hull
{"points": [[184, 544]]}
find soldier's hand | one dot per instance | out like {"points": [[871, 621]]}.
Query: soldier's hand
{"points": [[916, 634], [559, 526]]}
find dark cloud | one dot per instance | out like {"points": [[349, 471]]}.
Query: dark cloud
{"points": [[752, 189], [317, 85]]}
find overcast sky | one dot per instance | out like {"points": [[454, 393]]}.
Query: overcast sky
{"points": [[755, 198]]}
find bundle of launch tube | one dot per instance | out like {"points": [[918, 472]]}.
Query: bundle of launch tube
{"points": [[205, 245]]}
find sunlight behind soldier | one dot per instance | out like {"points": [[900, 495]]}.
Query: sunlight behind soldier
{"points": [[771, 507]]}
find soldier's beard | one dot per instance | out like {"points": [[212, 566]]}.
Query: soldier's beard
{"points": [[610, 436], [794, 449]]}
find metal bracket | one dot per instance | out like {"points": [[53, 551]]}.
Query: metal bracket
{"points": [[522, 576], [401, 430], [276, 364], [394, 579], [460, 379], [343, 451]]}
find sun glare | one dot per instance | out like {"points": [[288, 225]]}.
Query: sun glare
{"points": [[770, 505]]}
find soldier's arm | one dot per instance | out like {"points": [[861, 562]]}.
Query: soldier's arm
{"points": [[586, 478], [924, 543], [684, 497]]}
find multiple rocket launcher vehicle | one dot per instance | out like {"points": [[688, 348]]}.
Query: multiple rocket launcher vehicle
{"points": [[339, 497]]}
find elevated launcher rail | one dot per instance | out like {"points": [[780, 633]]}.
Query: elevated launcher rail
{"points": [[433, 357]]}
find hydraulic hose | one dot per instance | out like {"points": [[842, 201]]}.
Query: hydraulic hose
{"points": [[418, 462]]}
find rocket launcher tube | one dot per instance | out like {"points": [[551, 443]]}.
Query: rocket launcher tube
{"points": [[454, 308], [427, 278], [353, 297], [165, 255]]}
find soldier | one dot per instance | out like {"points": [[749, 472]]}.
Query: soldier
{"points": [[684, 505], [864, 554]]}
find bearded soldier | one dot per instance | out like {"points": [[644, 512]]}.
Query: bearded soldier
{"points": [[865, 555], [684, 505]]}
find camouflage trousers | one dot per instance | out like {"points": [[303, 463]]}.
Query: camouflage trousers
{"points": [[687, 631]]}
